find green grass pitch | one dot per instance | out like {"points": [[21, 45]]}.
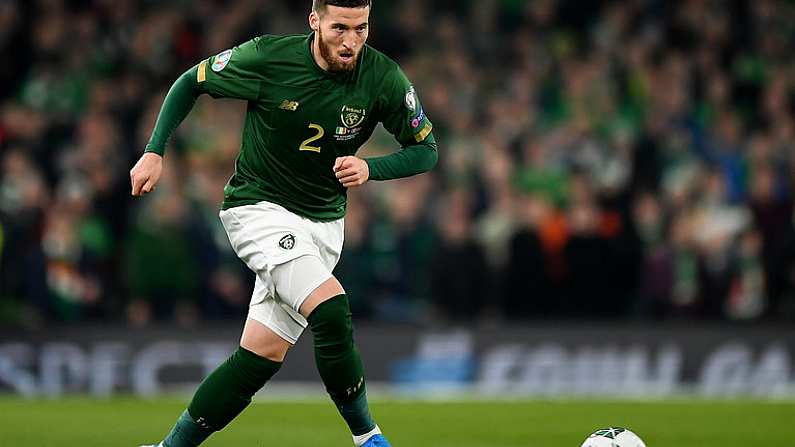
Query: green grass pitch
{"points": [[84, 422]]}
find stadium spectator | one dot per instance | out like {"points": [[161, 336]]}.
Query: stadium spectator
{"points": [[630, 158]]}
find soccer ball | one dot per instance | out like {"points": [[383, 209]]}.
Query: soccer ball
{"points": [[613, 437]]}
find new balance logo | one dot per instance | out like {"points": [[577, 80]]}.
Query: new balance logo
{"points": [[289, 105]]}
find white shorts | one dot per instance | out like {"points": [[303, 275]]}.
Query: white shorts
{"points": [[267, 235]]}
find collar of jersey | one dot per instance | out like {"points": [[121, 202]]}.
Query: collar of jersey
{"points": [[312, 63]]}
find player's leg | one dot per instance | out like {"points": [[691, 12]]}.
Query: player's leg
{"points": [[255, 232], [229, 389], [338, 361]]}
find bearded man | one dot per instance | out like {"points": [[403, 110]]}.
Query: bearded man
{"points": [[313, 101]]}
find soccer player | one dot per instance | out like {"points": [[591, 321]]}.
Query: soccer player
{"points": [[313, 100]]}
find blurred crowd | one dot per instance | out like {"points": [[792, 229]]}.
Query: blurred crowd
{"points": [[598, 159]]}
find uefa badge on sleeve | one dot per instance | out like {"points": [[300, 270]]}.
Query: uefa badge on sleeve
{"points": [[222, 60], [415, 122], [411, 99]]}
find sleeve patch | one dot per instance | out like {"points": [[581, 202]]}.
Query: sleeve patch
{"points": [[417, 120], [222, 60], [420, 137], [201, 73], [411, 99]]}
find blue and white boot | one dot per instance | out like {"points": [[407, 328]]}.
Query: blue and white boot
{"points": [[373, 438], [376, 441]]}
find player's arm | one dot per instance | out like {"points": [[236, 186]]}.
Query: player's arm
{"points": [[234, 73], [406, 120], [178, 103], [410, 160]]}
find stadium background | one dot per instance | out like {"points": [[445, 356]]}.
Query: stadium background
{"points": [[612, 213]]}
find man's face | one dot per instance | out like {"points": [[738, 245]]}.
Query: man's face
{"points": [[341, 34]]}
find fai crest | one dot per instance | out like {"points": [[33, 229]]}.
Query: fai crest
{"points": [[287, 242], [352, 116]]}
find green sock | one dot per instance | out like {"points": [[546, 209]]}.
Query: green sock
{"points": [[356, 413], [339, 363], [186, 433], [221, 397]]}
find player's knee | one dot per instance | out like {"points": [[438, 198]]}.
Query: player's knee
{"points": [[331, 325], [270, 351], [262, 341]]}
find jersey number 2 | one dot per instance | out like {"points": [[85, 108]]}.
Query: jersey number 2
{"points": [[305, 146]]}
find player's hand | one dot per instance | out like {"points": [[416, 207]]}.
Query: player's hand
{"points": [[145, 174], [351, 171]]}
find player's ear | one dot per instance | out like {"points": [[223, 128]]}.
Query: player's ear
{"points": [[314, 21]]}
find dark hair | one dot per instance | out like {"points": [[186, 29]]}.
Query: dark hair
{"points": [[320, 5]]}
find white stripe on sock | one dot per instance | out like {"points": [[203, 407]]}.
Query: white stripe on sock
{"points": [[361, 439]]}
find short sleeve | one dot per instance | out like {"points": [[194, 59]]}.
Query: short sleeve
{"points": [[234, 73], [404, 116]]}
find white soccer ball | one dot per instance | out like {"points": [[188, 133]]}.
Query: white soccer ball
{"points": [[613, 437]]}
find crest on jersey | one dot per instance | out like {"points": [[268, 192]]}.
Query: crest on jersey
{"points": [[222, 60], [287, 242], [352, 116]]}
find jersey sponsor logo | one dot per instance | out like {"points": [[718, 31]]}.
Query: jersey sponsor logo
{"points": [[222, 60], [417, 120], [287, 242], [352, 116], [289, 105], [411, 99]]}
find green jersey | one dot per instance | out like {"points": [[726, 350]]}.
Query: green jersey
{"points": [[300, 118]]}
